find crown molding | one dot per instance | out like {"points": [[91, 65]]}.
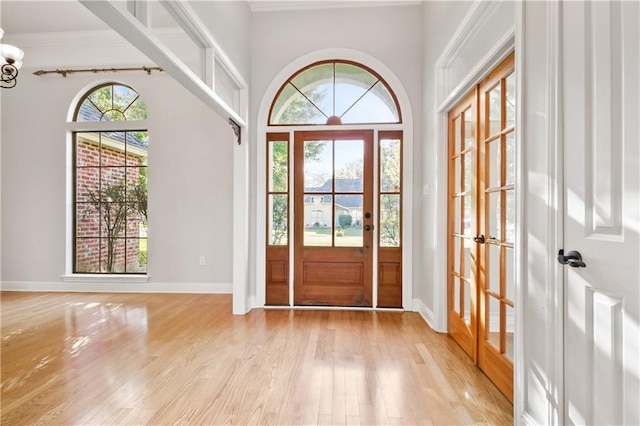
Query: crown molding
{"points": [[271, 6]]}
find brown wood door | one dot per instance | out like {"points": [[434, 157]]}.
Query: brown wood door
{"points": [[497, 223], [482, 224], [463, 251], [333, 226]]}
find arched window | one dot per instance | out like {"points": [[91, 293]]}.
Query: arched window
{"points": [[110, 185], [335, 92]]}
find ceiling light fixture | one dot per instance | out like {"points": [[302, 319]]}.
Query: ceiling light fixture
{"points": [[11, 60]]}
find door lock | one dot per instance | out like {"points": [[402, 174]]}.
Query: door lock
{"points": [[368, 227]]}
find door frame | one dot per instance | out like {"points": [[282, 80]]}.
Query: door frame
{"points": [[257, 298]]}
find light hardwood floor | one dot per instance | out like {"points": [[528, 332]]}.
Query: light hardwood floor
{"points": [[164, 359]]}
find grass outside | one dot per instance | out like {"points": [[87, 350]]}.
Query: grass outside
{"points": [[349, 237]]}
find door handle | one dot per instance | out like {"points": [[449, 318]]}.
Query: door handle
{"points": [[479, 239], [573, 259], [368, 227]]}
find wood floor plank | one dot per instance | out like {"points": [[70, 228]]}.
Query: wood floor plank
{"points": [[125, 359]]}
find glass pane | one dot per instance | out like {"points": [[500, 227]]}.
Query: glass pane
{"points": [[510, 159], [351, 83], [494, 216], [87, 184], [467, 303], [390, 220], [87, 220], [467, 258], [511, 278], [137, 194], [456, 294], [112, 149], [457, 164], [134, 224], [349, 165], [136, 261], [88, 112], [136, 111], [112, 182], [511, 321], [112, 252], [123, 97], [316, 83], [457, 246], [137, 144], [468, 169], [113, 219], [278, 166], [278, 220], [87, 255], [493, 273], [457, 135], [510, 225], [87, 152], [377, 106], [318, 219], [469, 133], [494, 111], [293, 108], [318, 166], [493, 330], [511, 99], [390, 165], [493, 164], [102, 98], [468, 219], [348, 212], [457, 215]]}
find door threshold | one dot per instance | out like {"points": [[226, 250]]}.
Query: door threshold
{"points": [[332, 308]]}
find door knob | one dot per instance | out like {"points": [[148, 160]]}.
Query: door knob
{"points": [[368, 227], [479, 239], [573, 258]]}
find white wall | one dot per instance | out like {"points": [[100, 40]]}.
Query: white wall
{"points": [[440, 21], [190, 174], [392, 35]]}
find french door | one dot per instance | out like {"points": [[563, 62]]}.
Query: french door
{"points": [[481, 224], [334, 221]]}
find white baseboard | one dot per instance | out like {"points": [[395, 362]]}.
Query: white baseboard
{"points": [[424, 311], [117, 287]]}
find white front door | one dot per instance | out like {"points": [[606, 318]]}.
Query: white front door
{"points": [[601, 73]]}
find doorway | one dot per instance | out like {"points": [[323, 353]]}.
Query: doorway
{"points": [[481, 229], [333, 242]]}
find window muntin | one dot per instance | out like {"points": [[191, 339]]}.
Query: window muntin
{"points": [[110, 186], [111, 102], [335, 92]]}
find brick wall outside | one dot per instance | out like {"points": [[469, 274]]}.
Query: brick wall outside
{"points": [[91, 241]]}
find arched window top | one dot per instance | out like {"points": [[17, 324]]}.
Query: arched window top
{"points": [[335, 92], [111, 102]]}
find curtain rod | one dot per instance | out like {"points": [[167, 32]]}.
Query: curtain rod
{"points": [[64, 73]]}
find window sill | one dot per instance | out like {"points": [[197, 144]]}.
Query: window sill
{"points": [[104, 278]]}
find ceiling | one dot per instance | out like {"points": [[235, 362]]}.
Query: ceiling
{"points": [[45, 16]]}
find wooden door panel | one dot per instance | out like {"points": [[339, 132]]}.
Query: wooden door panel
{"points": [[277, 288], [327, 270]]}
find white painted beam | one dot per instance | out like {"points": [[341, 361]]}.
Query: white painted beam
{"points": [[143, 39]]}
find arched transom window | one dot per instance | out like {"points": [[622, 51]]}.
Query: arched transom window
{"points": [[110, 185], [334, 92]]}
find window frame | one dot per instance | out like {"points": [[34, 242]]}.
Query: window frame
{"points": [[335, 61], [99, 128]]}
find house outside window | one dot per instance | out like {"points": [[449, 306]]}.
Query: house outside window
{"points": [[110, 185]]}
